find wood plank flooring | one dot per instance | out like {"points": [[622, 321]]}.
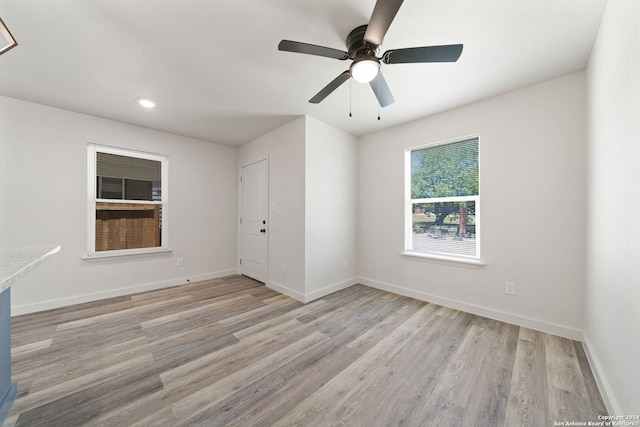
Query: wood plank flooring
{"points": [[232, 352]]}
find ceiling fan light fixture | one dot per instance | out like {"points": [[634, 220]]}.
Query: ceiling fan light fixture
{"points": [[365, 69]]}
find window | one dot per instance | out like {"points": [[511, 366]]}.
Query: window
{"points": [[127, 201], [442, 209]]}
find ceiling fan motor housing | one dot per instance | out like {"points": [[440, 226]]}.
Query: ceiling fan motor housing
{"points": [[356, 44]]}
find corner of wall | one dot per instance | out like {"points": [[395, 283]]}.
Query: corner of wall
{"points": [[598, 373]]}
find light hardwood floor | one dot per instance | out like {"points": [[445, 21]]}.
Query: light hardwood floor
{"points": [[233, 352]]}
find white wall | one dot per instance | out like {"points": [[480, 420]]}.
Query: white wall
{"points": [[330, 208], [285, 149], [532, 187], [43, 171], [312, 198], [612, 313]]}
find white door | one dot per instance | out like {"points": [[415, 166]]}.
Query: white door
{"points": [[254, 226]]}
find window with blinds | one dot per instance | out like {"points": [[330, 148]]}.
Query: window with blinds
{"points": [[443, 199], [128, 204]]}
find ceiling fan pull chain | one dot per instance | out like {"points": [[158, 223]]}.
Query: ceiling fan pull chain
{"points": [[378, 83], [350, 97]]}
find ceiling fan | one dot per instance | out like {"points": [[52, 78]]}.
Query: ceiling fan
{"points": [[362, 44]]}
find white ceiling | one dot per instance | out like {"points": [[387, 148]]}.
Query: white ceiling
{"points": [[215, 73]]}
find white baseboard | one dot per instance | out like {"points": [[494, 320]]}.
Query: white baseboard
{"points": [[540, 325], [308, 297], [603, 385], [330, 289], [111, 293], [286, 291]]}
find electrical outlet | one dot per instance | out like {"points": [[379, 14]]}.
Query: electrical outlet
{"points": [[509, 288], [345, 263], [284, 267], [180, 262]]}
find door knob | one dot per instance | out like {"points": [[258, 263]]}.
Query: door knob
{"points": [[263, 230]]}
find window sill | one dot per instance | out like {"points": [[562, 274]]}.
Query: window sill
{"points": [[443, 259], [126, 254]]}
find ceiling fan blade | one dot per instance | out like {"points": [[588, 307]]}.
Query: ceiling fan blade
{"points": [[335, 83], [312, 49], [381, 19], [382, 91], [446, 53]]}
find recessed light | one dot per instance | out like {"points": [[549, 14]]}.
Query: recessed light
{"points": [[146, 103]]}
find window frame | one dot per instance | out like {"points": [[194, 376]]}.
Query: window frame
{"points": [[92, 200], [409, 202]]}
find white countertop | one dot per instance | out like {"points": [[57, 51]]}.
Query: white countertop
{"points": [[17, 262]]}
